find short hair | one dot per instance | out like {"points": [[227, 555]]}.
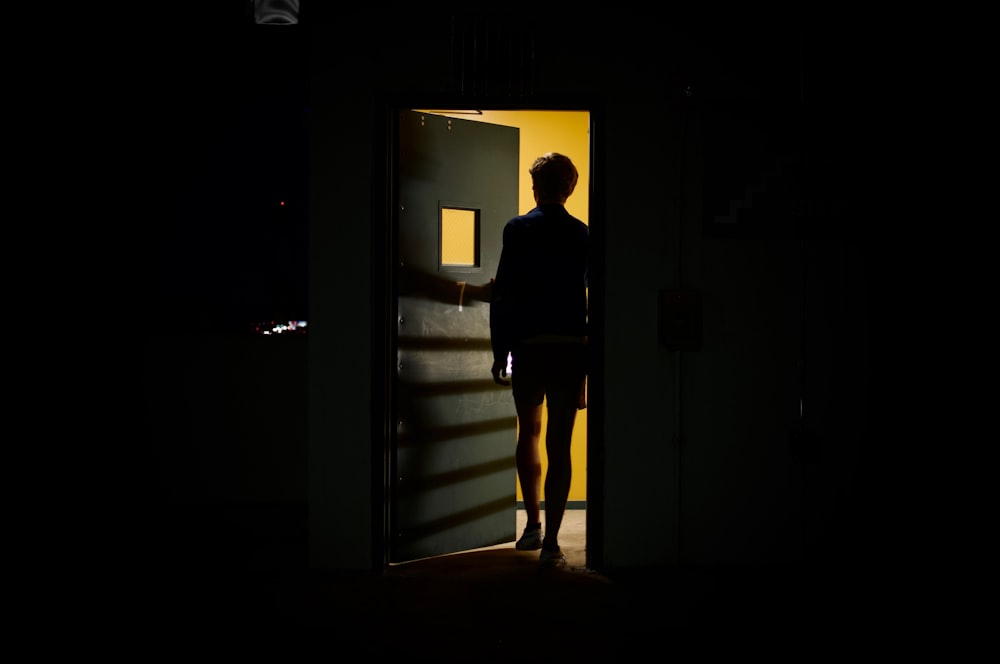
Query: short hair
{"points": [[554, 176]]}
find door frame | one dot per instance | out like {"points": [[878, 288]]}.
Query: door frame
{"points": [[384, 197]]}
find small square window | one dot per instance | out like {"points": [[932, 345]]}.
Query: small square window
{"points": [[459, 237]]}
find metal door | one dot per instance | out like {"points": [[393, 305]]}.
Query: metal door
{"points": [[453, 472]]}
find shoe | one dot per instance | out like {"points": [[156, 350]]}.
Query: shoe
{"points": [[531, 540], [552, 558]]}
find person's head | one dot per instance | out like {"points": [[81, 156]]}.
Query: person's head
{"points": [[553, 178]]}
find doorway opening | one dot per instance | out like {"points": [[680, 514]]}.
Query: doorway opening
{"points": [[434, 316]]}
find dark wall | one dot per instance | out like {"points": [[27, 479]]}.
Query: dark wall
{"points": [[226, 418], [217, 110]]}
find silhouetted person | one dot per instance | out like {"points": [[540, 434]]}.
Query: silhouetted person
{"points": [[538, 314]]}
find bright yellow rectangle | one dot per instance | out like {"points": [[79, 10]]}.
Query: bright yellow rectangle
{"points": [[458, 237]]}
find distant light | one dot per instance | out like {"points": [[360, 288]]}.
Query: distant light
{"points": [[282, 203], [273, 328]]}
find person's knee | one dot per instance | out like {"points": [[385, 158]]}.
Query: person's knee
{"points": [[562, 418]]}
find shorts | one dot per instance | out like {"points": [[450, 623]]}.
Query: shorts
{"points": [[553, 371]]}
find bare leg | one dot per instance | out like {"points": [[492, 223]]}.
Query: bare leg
{"points": [[529, 462], [558, 436]]}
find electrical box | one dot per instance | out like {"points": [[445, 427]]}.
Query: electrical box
{"points": [[680, 319]]}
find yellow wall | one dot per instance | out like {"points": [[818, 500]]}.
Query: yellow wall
{"points": [[567, 132]]}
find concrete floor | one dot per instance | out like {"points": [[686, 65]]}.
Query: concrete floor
{"points": [[572, 537]]}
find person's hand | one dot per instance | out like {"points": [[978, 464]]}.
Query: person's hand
{"points": [[499, 371]]}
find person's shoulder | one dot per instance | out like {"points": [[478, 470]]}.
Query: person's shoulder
{"points": [[517, 222], [580, 225], [566, 214], [567, 220], [525, 219]]}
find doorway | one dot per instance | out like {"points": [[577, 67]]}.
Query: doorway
{"points": [[433, 495]]}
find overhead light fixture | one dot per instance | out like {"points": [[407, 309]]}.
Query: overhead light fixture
{"points": [[275, 12]]}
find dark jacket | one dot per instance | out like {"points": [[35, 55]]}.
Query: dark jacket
{"points": [[541, 281]]}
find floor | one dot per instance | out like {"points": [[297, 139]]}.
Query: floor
{"points": [[495, 604], [572, 537]]}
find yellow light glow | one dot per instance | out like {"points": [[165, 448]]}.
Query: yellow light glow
{"points": [[458, 237]]}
